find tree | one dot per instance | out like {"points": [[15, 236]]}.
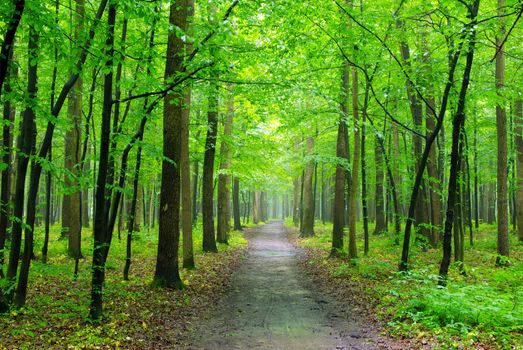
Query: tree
{"points": [[338, 212], [381, 223], [518, 121], [187, 210], [353, 187], [457, 146], [166, 273], [501, 123], [71, 215], [101, 232], [307, 227], [224, 178]]}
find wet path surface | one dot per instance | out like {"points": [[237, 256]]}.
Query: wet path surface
{"points": [[272, 304]]}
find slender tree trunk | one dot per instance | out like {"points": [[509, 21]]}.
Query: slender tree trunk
{"points": [[195, 193], [209, 239], [476, 183], [224, 178], [48, 189], [519, 166], [353, 188], [364, 180], [134, 212], [236, 204], [138, 213], [71, 200], [434, 184], [501, 122], [9, 113], [381, 223], [307, 228], [296, 202], [338, 211], [187, 220], [101, 216], [256, 207], [457, 146], [28, 139]]}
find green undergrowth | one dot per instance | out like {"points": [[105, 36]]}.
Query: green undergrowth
{"points": [[57, 304], [483, 306]]}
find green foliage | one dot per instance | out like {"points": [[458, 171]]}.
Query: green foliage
{"points": [[485, 306]]}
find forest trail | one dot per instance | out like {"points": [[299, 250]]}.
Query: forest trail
{"points": [[272, 304]]}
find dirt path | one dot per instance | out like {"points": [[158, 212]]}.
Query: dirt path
{"points": [[272, 304]]}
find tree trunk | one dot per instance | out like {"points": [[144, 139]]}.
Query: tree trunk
{"points": [[166, 272], [434, 184], [9, 114], [187, 220], [296, 202], [307, 228], [256, 207], [224, 178], [501, 122], [9, 39], [338, 211], [138, 210], [236, 204], [457, 147], [26, 146], [381, 223], [188, 254], [71, 200], [353, 189], [519, 166], [134, 211], [101, 216]]}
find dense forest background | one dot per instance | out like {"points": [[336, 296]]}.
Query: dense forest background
{"points": [[138, 136]]}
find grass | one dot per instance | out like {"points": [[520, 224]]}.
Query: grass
{"points": [[57, 304], [482, 307]]}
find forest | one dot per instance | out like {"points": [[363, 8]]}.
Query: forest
{"points": [[261, 174]]}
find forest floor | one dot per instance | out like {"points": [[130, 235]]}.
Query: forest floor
{"points": [[481, 308], [136, 315], [273, 303]]}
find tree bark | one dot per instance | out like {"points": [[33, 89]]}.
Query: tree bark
{"points": [[457, 147], [71, 199], [224, 179], [28, 140], [187, 219], [307, 228], [354, 179], [296, 202], [101, 216], [519, 166], [501, 122], [236, 204], [166, 272], [381, 223], [338, 211], [209, 239], [9, 39], [9, 114]]}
